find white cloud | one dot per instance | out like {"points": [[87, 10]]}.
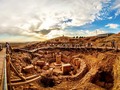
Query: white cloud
{"points": [[110, 17], [56, 33], [116, 6], [18, 31], [88, 32], [111, 25], [36, 15]]}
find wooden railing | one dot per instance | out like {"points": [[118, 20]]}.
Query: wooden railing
{"points": [[4, 85], [7, 83], [6, 70]]}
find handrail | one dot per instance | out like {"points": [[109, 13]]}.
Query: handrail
{"points": [[4, 85], [80, 47], [4, 81]]}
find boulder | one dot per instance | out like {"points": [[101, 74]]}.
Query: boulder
{"points": [[40, 63], [66, 68], [28, 69]]}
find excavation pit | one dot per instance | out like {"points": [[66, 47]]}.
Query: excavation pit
{"points": [[47, 82], [104, 80], [75, 66]]}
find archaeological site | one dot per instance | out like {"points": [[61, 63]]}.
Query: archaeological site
{"points": [[65, 63]]}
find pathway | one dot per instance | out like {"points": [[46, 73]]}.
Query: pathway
{"points": [[2, 56]]}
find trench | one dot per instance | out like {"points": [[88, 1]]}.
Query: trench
{"points": [[47, 82], [104, 79]]}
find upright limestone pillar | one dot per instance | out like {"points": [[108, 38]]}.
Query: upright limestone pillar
{"points": [[58, 58]]}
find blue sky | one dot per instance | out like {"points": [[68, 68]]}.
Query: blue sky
{"points": [[100, 24], [108, 18], [37, 20]]}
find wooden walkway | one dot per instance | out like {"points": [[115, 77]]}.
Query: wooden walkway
{"points": [[2, 56], [48, 47]]}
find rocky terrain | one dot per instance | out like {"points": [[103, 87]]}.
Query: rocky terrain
{"points": [[69, 68]]}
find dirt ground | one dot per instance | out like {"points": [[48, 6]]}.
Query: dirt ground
{"points": [[99, 68], [102, 72]]}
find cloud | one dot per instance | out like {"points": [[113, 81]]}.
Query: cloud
{"points": [[116, 6], [56, 33], [110, 17], [112, 26], [15, 31], [28, 17], [10, 30], [49, 13]]}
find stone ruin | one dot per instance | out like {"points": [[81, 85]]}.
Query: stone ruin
{"points": [[59, 66]]}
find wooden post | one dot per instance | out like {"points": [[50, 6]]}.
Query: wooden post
{"points": [[16, 72]]}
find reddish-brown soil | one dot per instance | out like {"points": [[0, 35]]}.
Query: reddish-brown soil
{"points": [[99, 74], [99, 69]]}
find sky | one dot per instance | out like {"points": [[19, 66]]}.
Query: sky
{"points": [[39, 20]]}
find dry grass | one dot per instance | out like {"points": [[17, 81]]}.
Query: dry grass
{"points": [[116, 70]]}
